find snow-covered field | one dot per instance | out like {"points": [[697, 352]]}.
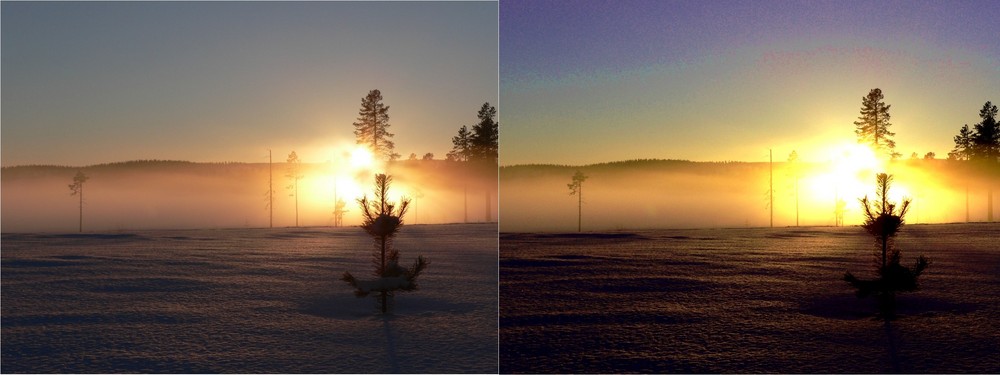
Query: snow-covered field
{"points": [[745, 301], [245, 300]]}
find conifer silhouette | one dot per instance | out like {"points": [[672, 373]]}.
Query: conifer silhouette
{"points": [[382, 221], [883, 220]]}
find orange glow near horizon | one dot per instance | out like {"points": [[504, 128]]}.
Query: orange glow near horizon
{"points": [[850, 175], [347, 176]]}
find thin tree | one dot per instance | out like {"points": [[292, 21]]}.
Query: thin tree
{"points": [[576, 188], [372, 126], [481, 146], [294, 174], [270, 191], [987, 148], [981, 147], [840, 206], [76, 188], [339, 207], [417, 194], [872, 127], [883, 220], [484, 145], [382, 220]]}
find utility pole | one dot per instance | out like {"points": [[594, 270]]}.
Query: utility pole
{"points": [[81, 208], [579, 210], [466, 202]]}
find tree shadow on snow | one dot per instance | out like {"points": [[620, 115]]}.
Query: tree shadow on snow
{"points": [[348, 307], [390, 345], [848, 307]]}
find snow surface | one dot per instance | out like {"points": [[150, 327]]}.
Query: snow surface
{"points": [[745, 301], [245, 300]]}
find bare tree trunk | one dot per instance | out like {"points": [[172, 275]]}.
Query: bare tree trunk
{"points": [[579, 210], [81, 208]]}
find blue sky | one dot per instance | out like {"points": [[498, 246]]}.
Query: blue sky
{"points": [[88, 83], [591, 81]]}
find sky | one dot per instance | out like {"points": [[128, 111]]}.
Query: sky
{"points": [[585, 82], [87, 83]]}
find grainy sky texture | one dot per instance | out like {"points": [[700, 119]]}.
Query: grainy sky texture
{"points": [[87, 83], [593, 81]]}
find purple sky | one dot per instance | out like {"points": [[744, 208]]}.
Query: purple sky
{"points": [[726, 80]]}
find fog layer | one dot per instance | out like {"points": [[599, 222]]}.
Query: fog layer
{"points": [[681, 194], [168, 195]]}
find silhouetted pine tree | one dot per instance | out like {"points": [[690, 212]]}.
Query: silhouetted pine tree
{"points": [[981, 147], [339, 209], [76, 188], [986, 138], [372, 128], [382, 221], [872, 126], [294, 174], [883, 220], [484, 140], [461, 144], [576, 188], [963, 144]]}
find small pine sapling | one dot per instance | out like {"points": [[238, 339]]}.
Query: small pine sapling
{"points": [[382, 221], [882, 221]]}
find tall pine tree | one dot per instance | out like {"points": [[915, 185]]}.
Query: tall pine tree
{"points": [[484, 140], [461, 144], [873, 125], [981, 146], [372, 126], [986, 138], [963, 144]]}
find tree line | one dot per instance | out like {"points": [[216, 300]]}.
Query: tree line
{"points": [[478, 146], [979, 146]]}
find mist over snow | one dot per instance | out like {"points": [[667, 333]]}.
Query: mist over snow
{"points": [[170, 195], [683, 194]]}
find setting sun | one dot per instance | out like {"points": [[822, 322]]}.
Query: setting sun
{"points": [[362, 158]]}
